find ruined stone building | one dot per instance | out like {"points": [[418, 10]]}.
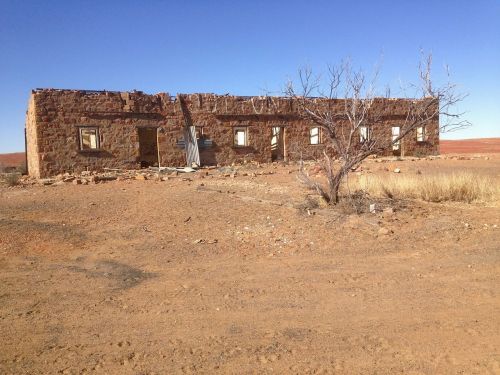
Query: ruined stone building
{"points": [[75, 130]]}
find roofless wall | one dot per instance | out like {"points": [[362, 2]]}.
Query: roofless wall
{"points": [[75, 130]]}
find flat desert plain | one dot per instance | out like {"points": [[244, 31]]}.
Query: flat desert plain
{"points": [[478, 145], [14, 159], [232, 275]]}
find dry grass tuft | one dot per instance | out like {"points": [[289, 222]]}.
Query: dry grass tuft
{"points": [[10, 179], [456, 187]]}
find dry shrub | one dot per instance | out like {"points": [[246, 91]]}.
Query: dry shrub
{"points": [[308, 205], [357, 202], [22, 168], [10, 179], [456, 187]]}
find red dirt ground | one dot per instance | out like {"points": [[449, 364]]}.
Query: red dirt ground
{"points": [[208, 274], [14, 159], [478, 145]]}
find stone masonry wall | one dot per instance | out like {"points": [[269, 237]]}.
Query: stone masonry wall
{"points": [[54, 118]]}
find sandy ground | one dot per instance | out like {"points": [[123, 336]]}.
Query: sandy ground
{"points": [[226, 275]]}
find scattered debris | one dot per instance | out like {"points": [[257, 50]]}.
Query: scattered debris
{"points": [[384, 231], [104, 178], [47, 181], [174, 169], [389, 211], [203, 241]]}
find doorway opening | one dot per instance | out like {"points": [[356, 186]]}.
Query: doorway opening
{"points": [[191, 142], [148, 147], [396, 146], [277, 143]]}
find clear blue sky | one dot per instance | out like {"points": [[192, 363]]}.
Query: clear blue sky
{"points": [[240, 47]]}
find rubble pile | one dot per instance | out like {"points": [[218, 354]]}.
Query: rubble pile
{"points": [[252, 169]]}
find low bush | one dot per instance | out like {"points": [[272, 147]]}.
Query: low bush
{"points": [[10, 179]]}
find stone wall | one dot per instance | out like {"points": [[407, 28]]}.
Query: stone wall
{"points": [[32, 154], [54, 118]]}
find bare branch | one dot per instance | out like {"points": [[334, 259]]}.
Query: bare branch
{"points": [[348, 121]]}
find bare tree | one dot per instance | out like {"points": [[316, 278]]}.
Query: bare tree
{"points": [[347, 110]]}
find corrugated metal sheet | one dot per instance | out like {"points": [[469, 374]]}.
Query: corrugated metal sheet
{"points": [[192, 152]]}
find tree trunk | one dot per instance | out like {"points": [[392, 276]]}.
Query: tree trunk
{"points": [[334, 184]]}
